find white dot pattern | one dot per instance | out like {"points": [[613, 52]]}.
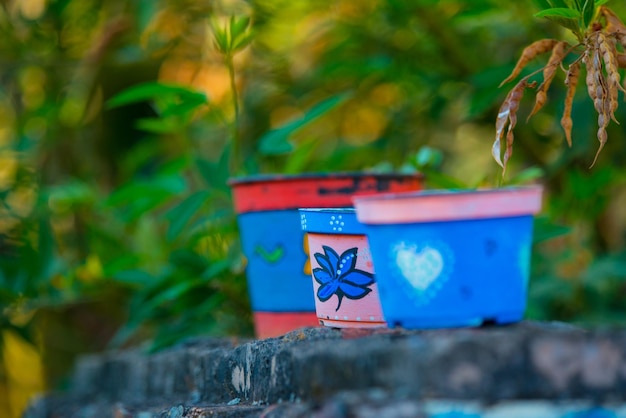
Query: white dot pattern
{"points": [[337, 223]]}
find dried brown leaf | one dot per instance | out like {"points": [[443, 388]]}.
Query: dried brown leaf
{"points": [[531, 51], [559, 51], [614, 26], [571, 81], [507, 114]]}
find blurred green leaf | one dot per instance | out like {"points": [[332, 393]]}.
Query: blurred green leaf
{"points": [[134, 277], [588, 11], [428, 157], [300, 156], [238, 26], [154, 90], [69, 195], [526, 176], [215, 269], [181, 214], [221, 37], [162, 186], [544, 229], [276, 141], [242, 42], [159, 125], [565, 17]]}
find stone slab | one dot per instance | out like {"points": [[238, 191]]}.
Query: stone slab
{"points": [[542, 362]]}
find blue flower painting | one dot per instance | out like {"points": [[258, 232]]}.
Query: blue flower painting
{"points": [[337, 275]]}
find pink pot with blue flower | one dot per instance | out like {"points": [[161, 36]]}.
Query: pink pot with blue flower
{"points": [[451, 258], [344, 284]]}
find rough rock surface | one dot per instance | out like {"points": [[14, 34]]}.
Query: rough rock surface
{"points": [[335, 373]]}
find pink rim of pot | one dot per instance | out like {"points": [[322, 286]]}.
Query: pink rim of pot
{"points": [[447, 205]]}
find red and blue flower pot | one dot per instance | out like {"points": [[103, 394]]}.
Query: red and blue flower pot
{"points": [[344, 285], [278, 269], [451, 258]]}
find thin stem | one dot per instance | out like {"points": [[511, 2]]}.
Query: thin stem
{"points": [[236, 150]]}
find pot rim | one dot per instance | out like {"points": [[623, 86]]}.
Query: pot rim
{"points": [[448, 204], [260, 178], [447, 192]]}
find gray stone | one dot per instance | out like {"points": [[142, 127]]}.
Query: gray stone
{"points": [[332, 372]]}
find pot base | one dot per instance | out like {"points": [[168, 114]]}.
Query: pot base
{"points": [[276, 324], [457, 322], [334, 323]]}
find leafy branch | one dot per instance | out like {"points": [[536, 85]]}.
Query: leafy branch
{"points": [[599, 32]]}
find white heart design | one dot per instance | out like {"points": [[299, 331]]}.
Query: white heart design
{"points": [[421, 268]]}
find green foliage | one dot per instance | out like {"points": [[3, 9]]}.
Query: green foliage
{"points": [[575, 15], [234, 36], [276, 141]]}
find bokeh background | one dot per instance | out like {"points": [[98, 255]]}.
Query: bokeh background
{"points": [[116, 224]]}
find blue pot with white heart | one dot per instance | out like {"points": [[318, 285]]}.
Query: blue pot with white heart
{"points": [[451, 258]]}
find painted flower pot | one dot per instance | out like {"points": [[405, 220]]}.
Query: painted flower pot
{"points": [[451, 258], [344, 287], [278, 270]]}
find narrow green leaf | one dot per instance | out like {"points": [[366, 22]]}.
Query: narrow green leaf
{"points": [[571, 24], [206, 169], [215, 269], [545, 229], [301, 155], [276, 141], [601, 2], [325, 106], [221, 38], [148, 91], [215, 174], [242, 42], [588, 10], [183, 105], [238, 27], [180, 215], [559, 12], [172, 293], [159, 126]]}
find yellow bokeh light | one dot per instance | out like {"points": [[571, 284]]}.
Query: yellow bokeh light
{"points": [[21, 200], [30, 9], [32, 82], [211, 79], [23, 366], [386, 95], [363, 124], [8, 169]]}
